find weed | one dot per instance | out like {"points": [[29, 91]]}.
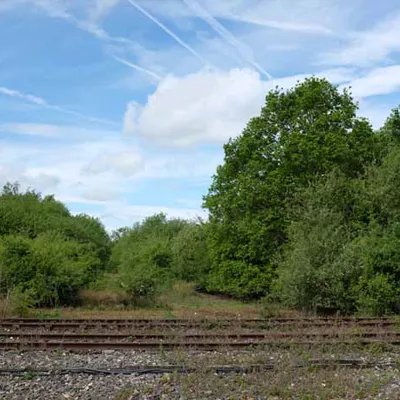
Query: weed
{"points": [[49, 315], [29, 375], [124, 394]]}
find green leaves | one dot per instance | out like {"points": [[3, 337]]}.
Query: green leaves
{"points": [[46, 250], [301, 134], [343, 251]]}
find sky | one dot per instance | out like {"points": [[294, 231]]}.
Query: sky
{"points": [[121, 107]]}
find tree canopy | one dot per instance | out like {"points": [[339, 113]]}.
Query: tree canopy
{"points": [[301, 133]]}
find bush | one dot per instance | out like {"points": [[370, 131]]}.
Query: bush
{"points": [[377, 295], [238, 279], [344, 244], [52, 268], [17, 303], [190, 261]]}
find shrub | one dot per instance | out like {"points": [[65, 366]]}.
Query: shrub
{"points": [[52, 268], [190, 261]]}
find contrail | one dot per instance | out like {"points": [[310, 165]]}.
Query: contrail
{"points": [[99, 33], [138, 68], [169, 32], [244, 51], [43, 103], [26, 97]]}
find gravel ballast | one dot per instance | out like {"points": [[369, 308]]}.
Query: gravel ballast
{"points": [[284, 383]]}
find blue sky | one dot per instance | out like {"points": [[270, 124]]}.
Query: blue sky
{"points": [[121, 107]]}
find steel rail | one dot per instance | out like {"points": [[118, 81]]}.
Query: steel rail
{"points": [[212, 345], [69, 324], [163, 369], [207, 320], [201, 336]]}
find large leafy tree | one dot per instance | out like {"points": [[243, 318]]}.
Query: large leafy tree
{"points": [[300, 134]]}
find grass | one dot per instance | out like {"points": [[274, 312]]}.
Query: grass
{"points": [[182, 301], [281, 384]]}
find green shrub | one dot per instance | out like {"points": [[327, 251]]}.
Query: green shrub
{"points": [[51, 267], [377, 295], [190, 260]]}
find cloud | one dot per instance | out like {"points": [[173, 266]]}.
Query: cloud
{"points": [[283, 25], [100, 195], [51, 131], [40, 182], [207, 106], [124, 214], [130, 117], [378, 81], [116, 172], [367, 47], [244, 51], [376, 112], [169, 32], [301, 16], [101, 9], [10, 172], [125, 163]]}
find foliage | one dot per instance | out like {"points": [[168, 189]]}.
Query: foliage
{"points": [[51, 267], [304, 210], [190, 253], [301, 134], [46, 251], [29, 214], [143, 255], [343, 252]]}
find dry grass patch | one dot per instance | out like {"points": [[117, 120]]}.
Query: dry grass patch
{"points": [[103, 298]]}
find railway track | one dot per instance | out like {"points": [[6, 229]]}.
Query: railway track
{"points": [[39, 334], [259, 324], [220, 369]]}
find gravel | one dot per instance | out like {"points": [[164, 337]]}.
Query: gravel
{"points": [[371, 384]]}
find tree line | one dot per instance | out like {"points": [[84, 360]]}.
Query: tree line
{"points": [[303, 211]]}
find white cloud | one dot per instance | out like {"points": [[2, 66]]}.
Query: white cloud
{"points": [[100, 194], [40, 182], [369, 46], [101, 9], [125, 163], [66, 132], [205, 106], [378, 81], [130, 117], [208, 106], [376, 112], [301, 16], [124, 214]]}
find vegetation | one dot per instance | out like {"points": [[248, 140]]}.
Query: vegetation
{"points": [[304, 212]]}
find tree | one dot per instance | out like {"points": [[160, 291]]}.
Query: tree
{"points": [[301, 133], [343, 253]]}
